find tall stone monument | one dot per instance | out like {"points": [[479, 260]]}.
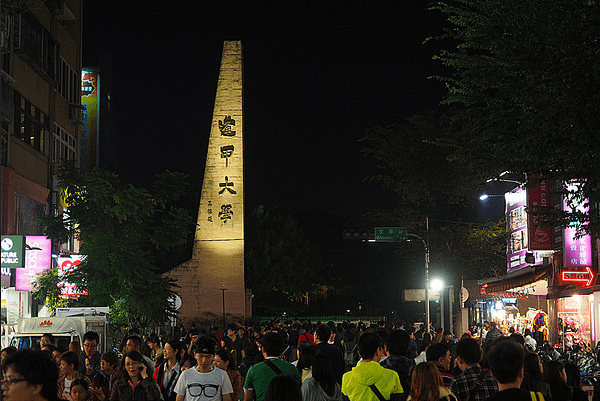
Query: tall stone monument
{"points": [[218, 255]]}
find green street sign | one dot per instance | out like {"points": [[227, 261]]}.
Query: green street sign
{"points": [[390, 234], [12, 248]]}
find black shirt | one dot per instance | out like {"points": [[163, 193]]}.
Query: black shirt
{"points": [[514, 394]]}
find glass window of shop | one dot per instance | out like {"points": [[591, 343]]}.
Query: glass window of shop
{"points": [[574, 321]]}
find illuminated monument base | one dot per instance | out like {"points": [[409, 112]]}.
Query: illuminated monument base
{"points": [[218, 256]]}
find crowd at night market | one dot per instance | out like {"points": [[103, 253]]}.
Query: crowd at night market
{"points": [[302, 361]]}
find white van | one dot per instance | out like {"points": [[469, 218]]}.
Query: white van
{"points": [[64, 329]]}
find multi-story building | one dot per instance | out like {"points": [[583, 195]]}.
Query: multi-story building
{"points": [[41, 112]]}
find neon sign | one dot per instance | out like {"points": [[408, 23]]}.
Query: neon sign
{"points": [[579, 277]]}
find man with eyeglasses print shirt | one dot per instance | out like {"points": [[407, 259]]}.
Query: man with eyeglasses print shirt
{"points": [[204, 382], [89, 359]]}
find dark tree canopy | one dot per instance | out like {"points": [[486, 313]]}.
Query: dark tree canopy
{"points": [[283, 269], [526, 84], [414, 162]]}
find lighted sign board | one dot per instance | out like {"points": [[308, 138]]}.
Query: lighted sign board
{"points": [[89, 116], [37, 259], [516, 224], [577, 251], [540, 238], [12, 251], [66, 265]]}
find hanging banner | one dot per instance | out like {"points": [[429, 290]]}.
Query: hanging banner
{"points": [[577, 249], [540, 239], [516, 225], [37, 259]]}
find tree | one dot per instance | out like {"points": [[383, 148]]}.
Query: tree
{"points": [[524, 79], [414, 162], [283, 269], [121, 229]]}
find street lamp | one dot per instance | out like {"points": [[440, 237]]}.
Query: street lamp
{"points": [[437, 285], [427, 319], [223, 288], [485, 196]]}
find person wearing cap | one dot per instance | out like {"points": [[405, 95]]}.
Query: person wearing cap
{"points": [[204, 382]]}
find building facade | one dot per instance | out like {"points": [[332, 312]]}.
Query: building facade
{"points": [[41, 115]]}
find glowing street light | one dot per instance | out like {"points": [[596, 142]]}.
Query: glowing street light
{"points": [[485, 196], [437, 285]]}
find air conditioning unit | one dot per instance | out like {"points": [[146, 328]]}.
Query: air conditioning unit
{"points": [[75, 113]]}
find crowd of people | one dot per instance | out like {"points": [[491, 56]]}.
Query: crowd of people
{"points": [[295, 361]]}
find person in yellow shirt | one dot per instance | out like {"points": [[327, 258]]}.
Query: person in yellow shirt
{"points": [[369, 381]]}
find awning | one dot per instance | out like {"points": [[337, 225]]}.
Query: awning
{"points": [[516, 279]]}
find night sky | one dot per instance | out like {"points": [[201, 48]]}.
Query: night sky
{"points": [[315, 79]]}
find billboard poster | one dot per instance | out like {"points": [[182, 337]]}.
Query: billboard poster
{"points": [[516, 225], [66, 265], [577, 251], [37, 259], [89, 118], [540, 238]]}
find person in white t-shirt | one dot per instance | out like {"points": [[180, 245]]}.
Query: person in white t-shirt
{"points": [[204, 382]]}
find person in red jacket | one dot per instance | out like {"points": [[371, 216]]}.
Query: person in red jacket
{"points": [[306, 335]]}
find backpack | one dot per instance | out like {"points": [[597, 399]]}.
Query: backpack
{"points": [[349, 354]]}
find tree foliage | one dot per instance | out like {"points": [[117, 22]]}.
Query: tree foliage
{"points": [[283, 269], [525, 81], [47, 289], [415, 163], [121, 229]]}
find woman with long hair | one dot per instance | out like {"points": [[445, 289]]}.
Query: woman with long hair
{"points": [[135, 384], [222, 361], [427, 384], [322, 385], [227, 344], [556, 377], [306, 358], [167, 373], [534, 375]]}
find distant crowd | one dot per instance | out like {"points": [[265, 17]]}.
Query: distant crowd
{"points": [[294, 361]]}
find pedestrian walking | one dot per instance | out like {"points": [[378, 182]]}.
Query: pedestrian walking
{"points": [[135, 384], [427, 385], [204, 382], [167, 373], [322, 386]]}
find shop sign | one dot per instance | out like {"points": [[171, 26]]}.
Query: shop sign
{"points": [[577, 249], [516, 225], [37, 259], [518, 295], [13, 251], [538, 197], [581, 277]]}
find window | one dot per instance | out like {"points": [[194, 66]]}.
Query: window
{"points": [[34, 44], [32, 125], [69, 85], [65, 145], [5, 139]]}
